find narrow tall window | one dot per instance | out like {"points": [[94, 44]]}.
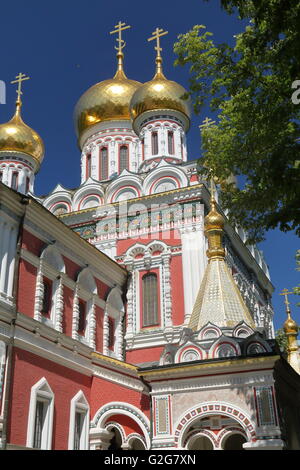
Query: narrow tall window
{"points": [[82, 317], [111, 335], [40, 414], [154, 143], [143, 149], [88, 165], [103, 164], [171, 142], [79, 421], [150, 300], [47, 298], [27, 184], [123, 159], [14, 180], [1, 176]]}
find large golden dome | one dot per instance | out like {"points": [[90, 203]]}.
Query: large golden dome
{"points": [[106, 101], [16, 136], [159, 94]]}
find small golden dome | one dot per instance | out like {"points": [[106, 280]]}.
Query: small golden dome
{"points": [[159, 94], [214, 220], [290, 326], [106, 101], [16, 136]]}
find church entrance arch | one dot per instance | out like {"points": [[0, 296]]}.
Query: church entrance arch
{"points": [[217, 422]]}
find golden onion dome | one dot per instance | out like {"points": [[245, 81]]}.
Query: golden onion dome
{"points": [[16, 136], [160, 94], [106, 101], [214, 220], [290, 326]]}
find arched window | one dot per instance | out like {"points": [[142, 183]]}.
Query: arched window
{"points": [[82, 317], [27, 184], [150, 300], [154, 143], [14, 180], [171, 142], [104, 163], [47, 298], [123, 158], [88, 165]]}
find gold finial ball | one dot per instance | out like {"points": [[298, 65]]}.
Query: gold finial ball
{"points": [[290, 326], [16, 136], [160, 94], [214, 220], [106, 101]]}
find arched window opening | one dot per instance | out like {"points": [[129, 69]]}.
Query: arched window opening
{"points": [[27, 184], [201, 443], [111, 334], [234, 442], [171, 142], [104, 163], [14, 180], [123, 158], [82, 317], [88, 165], [150, 300], [154, 143], [47, 298], [116, 441]]}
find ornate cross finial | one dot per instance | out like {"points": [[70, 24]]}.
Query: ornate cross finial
{"points": [[157, 34], [207, 123], [119, 28], [286, 292], [19, 79]]}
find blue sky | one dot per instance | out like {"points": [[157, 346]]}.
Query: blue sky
{"points": [[65, 47]]}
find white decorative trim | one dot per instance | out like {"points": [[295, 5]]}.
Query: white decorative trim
{"points": [[41, 391], [79, 404]]}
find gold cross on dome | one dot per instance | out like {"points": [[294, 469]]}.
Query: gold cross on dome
{"points": [[157, 34], [207, 123], [286, 292], [119, 28], [19, 79]]}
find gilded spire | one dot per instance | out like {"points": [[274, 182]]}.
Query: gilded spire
{"points": [[214, 225], [219, 300], [119, 48], [291, 331], [157, 34]]}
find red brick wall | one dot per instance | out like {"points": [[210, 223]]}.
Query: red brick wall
{"points": [[104, 392], [32, 243], [26, 288], [65, 384], [139, 356], [128, 424]]}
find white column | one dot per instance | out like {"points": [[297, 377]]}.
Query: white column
{"points": [[39, 294], [22, 181], [11, 260], [167, 289], [194, 262], [177, 144], [4, 263], [113, 164], [75, 314], [94, 162], [162, 144], [148, 144], [59, 305], [92, 325], [105, 333]]}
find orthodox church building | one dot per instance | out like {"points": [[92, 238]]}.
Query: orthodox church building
{"points": [[132, 314]]}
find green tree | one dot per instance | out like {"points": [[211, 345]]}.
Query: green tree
{"points": [[250, 87]]}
